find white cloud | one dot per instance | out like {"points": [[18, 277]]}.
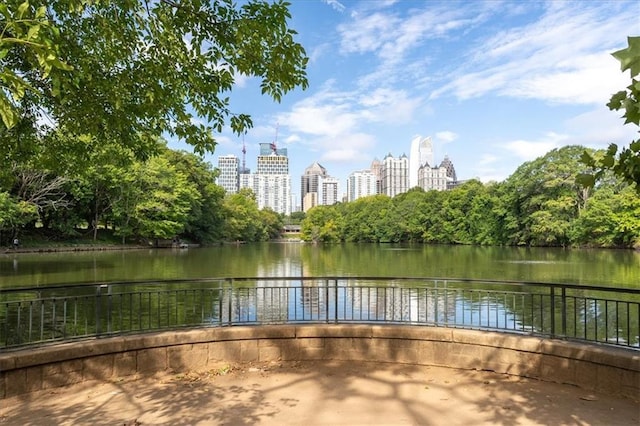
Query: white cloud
{"points": [[530, 150], [347, 148], [331, 113], [600, 127], [486, 159], [446, 136], [562, 57], [335, 4]]}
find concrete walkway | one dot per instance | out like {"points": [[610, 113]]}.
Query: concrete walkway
{"points": [[320, 393]]}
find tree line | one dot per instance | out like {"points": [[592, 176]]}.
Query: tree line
{"points": [[540, 204], [171, 194]]}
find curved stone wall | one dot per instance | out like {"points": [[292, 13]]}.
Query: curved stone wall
{"points": [[606, 369]]}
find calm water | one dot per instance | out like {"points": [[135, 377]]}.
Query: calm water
{"points": [[596, 267]]}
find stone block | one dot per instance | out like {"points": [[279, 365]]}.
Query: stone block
{"points": [[586, 374], [609, 379], [313, 342], [269, 353], [249, 351], [98, 367], [151, 361], [124, 364], [62, 379], [225, 351], [16, 382], [62, 367], [307, 353], [7, 362], [408, 356], [188, 357], [338, 348], [557, 369]]}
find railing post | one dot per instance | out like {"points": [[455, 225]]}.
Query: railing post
{"points": [[109, 308], [335, 303], [230, 315], [564, 312], [326, 301], [99, 310], [553, 311]]}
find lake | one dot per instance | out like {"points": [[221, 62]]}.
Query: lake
{"points": [[612, 268]]}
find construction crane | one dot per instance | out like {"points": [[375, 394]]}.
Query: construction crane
{"points": [[274, 148]]}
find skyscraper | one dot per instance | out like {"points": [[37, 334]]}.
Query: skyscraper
{"points": [[395, 175], [361, 184], [310, 184], [421, 153], [271, 183], [229, 166], [328, 191]]}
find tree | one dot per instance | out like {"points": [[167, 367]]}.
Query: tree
{"points": [[242, 217], [323, 224], [626, 162], [15, 213], [542, 198], [130, 71], [204, 224], [165, 199]]}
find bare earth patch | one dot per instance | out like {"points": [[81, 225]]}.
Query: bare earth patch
{"points": [[320, 393]]}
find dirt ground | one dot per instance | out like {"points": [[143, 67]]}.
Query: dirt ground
{"points": [[321, 393]]}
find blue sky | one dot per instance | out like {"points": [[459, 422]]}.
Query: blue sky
{"points": [[494, 83]]}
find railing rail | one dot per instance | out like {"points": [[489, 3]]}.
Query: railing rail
{"points": [[37, 315]]}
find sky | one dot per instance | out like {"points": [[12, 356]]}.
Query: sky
{"points": [[493, 83]]}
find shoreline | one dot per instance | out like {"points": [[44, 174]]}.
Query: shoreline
{"points": [[56, 249]]}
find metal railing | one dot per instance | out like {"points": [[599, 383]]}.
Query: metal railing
{"points": [[36, 315]]}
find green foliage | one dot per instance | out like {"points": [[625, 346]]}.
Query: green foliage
{"points": [[204, 223], [625, 162], [323, 224], [540, 204], [242, 217], [14, 213], [130, 71]]}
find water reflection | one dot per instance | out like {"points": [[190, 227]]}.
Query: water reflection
{"points": [[619, 268]]}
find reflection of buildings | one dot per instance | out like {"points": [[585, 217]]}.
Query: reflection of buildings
{"points": [[277, 301]]}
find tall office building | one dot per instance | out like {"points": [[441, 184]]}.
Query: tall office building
{"points": [[271, 183], [421, 153], [272, 191], [273, 164], [229, 167], [328, 191], [395, 175], [362, 183], [310, 185], [376, 169]]}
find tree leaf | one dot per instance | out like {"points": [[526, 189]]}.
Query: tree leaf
{"points": [[630, 57]]}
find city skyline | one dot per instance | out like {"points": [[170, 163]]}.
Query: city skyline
{"points": [[494, 83], [391, 176]]}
